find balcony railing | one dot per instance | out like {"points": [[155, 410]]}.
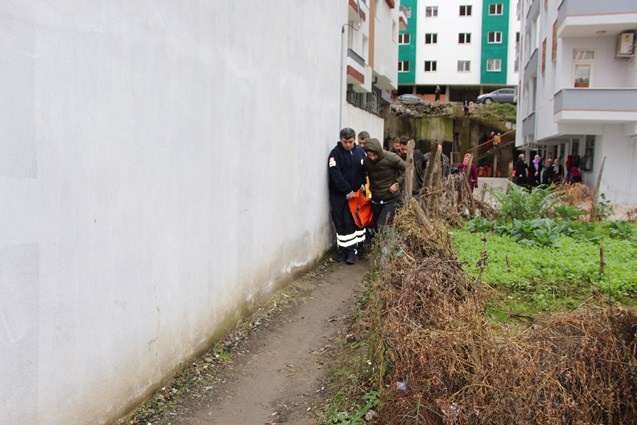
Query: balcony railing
{"points": [[356, 57], [609, 16], [606, 104], [528, 125]]}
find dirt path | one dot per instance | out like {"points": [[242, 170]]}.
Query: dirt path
{"points": [[278, 368]]}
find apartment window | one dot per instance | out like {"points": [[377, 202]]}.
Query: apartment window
{"points": [[494, 65], [431, 11], [583, 61], [431, 38], [464, 66], [494, 37], [464, 38], [589, 153], [431, 66], [554, 42], [543, 66], [403, 66], [496, 9], [583, 54], [465, 10], [404, 38]]}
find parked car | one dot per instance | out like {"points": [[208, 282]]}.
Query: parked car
{"points": [[411, 98], [500, 96]]}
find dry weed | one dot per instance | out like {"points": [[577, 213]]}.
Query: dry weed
{"points": [[449, 365]]}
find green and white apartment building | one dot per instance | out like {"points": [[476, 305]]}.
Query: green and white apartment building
{"points": [[467, 47]]}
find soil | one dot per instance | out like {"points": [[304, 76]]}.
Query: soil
{"points": [[274, 367]]}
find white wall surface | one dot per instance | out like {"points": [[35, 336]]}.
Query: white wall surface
{"points": [[360, 120], [386, 41], [155, 160], [619, 178]]}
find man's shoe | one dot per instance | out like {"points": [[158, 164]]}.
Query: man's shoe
{"points": [[351, 257], [340, 256]]}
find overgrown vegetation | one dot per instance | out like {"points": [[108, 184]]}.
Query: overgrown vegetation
{"points": [[523, 326], [496, 114]]}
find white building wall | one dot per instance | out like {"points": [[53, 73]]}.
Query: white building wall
{"points": [[619, 178], [386, 41], [361, 120], [448, 24], [153, 185], [514, 29]]}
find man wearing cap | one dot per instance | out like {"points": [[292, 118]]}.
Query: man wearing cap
{"points": [[346, 173]]}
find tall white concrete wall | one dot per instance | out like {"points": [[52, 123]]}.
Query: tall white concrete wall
{"points": [[360, 120], [162, 164]]}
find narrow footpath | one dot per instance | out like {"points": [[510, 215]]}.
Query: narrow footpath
{"points": [[277, 371]]}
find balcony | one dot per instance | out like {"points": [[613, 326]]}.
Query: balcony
{"points": [[354, 12], [531, 67], [596, 105], [358, 73], [528, 125], [590, 18], [402, 20]]}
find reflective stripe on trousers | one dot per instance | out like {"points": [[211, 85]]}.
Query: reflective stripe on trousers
{"points": [[352, 239]]}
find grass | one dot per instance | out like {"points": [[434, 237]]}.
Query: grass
{"points": [[496, 114], [540, 279]]}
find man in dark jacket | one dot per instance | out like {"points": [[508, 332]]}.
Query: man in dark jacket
{"points": [[521, 172], [386, 172], [345, 168]]}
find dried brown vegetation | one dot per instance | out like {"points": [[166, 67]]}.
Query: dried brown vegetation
{"points": [[448, 364]]}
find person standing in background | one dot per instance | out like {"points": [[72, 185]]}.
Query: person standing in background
{"points": [[472, 171], [535, 171], [521, 171], [362, 136], [547, 175]]}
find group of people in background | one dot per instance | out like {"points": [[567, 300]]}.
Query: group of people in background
{"points": [[364, 166], [537, 173]]}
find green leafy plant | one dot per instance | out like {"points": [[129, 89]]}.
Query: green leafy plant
{"points": [[621, 230], [480, 225], [563, 275], [604, 208], [567, 212], [521, 204], [543, 232]]}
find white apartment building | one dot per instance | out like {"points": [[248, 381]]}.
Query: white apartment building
{"points": [[578, 88], [370, 52]]}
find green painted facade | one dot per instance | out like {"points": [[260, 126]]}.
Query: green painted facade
{"points": [[407, 52], [493, 23]]}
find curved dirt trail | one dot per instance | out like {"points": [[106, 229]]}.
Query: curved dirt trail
{"points": [[276, 374]]}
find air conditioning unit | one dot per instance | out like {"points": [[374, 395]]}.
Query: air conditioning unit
{"points": [[625, 45]]}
